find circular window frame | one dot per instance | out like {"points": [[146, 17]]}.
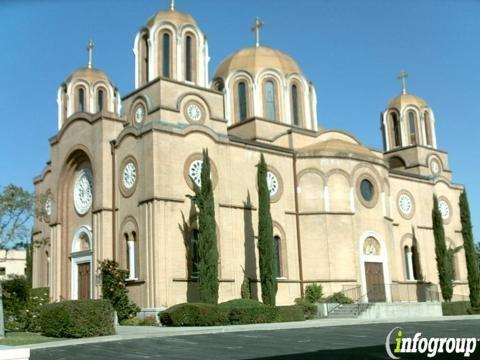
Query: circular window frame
{"points": [[412, 211], [372, 203], [440, 166], [186, 170], [135, 106], [278, 195], [123, 189], [83, 170], [202, 109], [450, 209]]}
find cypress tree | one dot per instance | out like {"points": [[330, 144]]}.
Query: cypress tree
{"points": [[470, 252], [444, 265], [207, 236], [266, 258]]}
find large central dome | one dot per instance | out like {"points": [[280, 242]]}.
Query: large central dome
{"points": [[255, 59]]}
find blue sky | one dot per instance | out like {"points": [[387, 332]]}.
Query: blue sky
{"points": [[352, 50]]}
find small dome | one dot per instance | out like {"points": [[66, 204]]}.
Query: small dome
{"points": [[335, 147], [89, 74], [174, 16], [405, 100], [255, 59]]}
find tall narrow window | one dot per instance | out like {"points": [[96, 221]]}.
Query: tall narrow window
{"points": [[242, 101], [277, 254], [408, 262], [81, 100], [166, 55], [146, 59], [397, 135], [270, 106], [131, 256], [295, 106], [412, 124], [428, 129], [188, 59], [194, 252], [100, 100], [416, 264]]}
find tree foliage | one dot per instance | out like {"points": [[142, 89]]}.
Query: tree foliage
{"points": [[207, 235], [470, 252], [266, 255], [16, 211], [444, 263]]}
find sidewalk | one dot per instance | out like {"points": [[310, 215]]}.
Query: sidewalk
{"points": [[137, 332]]}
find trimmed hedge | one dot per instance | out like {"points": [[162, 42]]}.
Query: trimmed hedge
{"points": [[194, 314], [456, 308], [233, 312], [77, 319], [290, 313]]}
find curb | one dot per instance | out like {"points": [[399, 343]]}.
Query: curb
{"points": [[144, 332]]}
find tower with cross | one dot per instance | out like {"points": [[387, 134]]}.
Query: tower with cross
{"points": [[403, 79], [90, 47], [256, 28]]}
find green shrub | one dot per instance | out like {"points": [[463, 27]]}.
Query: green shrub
{"points": [[339, 298], [241, 303], [245, 289], [77, 319], [309, 310], [114, 289], [313, 293], [290, 313], [252, 314], [147, 321], [30, 317], [194, 315], [456, 308]]}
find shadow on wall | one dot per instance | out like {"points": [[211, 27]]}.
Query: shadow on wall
{"points": [[186, 229], [249, 245]]}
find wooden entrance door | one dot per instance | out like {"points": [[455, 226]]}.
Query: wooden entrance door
{"points": [[84, 281], [375, 282]]}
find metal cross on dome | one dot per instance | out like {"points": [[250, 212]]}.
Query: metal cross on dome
{"points": [[256, 28], [90, 47], [172, 5], [403, 78]]}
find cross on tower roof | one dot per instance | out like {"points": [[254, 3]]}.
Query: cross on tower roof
{"points": [[172, 5], [403, 78], [256, 28], [90, 47]]}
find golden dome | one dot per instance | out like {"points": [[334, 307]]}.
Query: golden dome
{"points": [[405, 100], [336, 147], [88, 74], [255, 59], [174, 16]]}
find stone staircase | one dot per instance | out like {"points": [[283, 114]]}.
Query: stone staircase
{"points": [[348, 311]]}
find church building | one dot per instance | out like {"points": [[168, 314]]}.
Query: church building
{"points": [[346, 216]]}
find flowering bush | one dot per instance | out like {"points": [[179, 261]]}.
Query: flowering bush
{"points": [[115, 290], [22, 305]]}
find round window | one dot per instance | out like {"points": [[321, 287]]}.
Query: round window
{"points": [[367, 190]]}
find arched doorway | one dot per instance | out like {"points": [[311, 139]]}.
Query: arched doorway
{"points": [[82, 273], [374, 269]]}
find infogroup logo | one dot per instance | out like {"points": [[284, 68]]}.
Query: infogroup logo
{"points": [[429, 346]]}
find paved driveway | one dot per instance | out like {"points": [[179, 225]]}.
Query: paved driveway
{"points": [[336, 343]]}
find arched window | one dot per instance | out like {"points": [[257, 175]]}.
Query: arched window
{"points": [[194, 252], [145, 59], [412, 125], [131, 256], [100, 99], [295, 106], [81, 100], [397, 134], [166, 55], [277, 254], [416, 264], [188, 59], [270, 106], [428, 129], [242, 101], [408, 262]]}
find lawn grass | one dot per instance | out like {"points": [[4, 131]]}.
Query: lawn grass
{"points": [[24, 338]]}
